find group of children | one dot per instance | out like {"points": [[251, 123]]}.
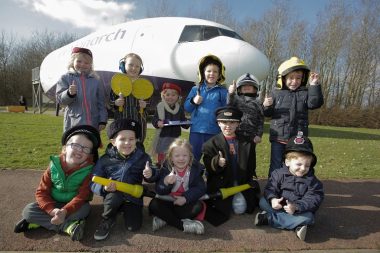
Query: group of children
{"points": [[226, 124]]}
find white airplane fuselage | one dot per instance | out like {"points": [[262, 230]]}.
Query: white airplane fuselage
{"points": [[165, 57]]}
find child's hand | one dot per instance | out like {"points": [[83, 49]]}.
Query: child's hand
{"points": [[232, 87], [257, 139], [198, 98], [142, 104], [73, 89], [222, 160], [102, 127], [59, 216], [170, 179], [160, 123], [314, 77], [147, 172], [290, 208], [111, 187], [120, 101], [276, 203], [179, 200], [268, 101]]}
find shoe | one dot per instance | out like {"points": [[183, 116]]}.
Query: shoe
{"points": [[193, 226], [76, 230], [157, 223], [261, 219], [301, 232], [21, 226], [103, 229]]}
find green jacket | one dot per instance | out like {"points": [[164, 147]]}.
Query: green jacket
{"points": [[64, 189]]}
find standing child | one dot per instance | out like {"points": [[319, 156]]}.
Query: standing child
{"points": [[82, 93], [125, 162], [181, 177], [228, 163], [168, 110], [244, 97], [62, 197], [289, 104], [132, 66], [203, 100], [293, 193]]}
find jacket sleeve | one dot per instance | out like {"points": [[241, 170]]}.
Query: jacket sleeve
{"points": [[272, 189], [260, 119], [43, 193], [315, 97], [189, 106], [211, 157], [312, 199], [62, 91], [268, 110], [155, 119], [161, 188]]}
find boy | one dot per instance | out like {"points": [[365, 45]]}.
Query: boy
{"points": [[252, 122], [293, 193], [228, 164], [125, 162], [289, 105], [62, 197], [203, 100]]}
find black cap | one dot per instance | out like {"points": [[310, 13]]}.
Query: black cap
{"points": [[123, 124], [300, 143], [228, 113]]}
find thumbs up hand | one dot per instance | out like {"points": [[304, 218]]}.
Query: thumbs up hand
{"points": [[170, 179], [147, 172], [268, 100], [198, 98], [73, 89], [120, 100], [222, 160], [232, 87]]}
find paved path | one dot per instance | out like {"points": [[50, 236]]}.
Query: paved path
{"points": [[348, 219]]}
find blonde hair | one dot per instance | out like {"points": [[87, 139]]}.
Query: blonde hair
{"points": [[130, 55], [183, 143], [87, 58]]}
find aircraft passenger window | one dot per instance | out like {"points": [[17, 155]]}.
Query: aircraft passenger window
{"points": [[191, 33]]}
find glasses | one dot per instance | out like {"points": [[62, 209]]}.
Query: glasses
{"points": [[80, 148]]}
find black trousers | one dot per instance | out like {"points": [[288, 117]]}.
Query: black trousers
{"points": [[173, 214], [115, 202]]}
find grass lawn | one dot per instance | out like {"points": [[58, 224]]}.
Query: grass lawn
{"points": [[27, 140]]}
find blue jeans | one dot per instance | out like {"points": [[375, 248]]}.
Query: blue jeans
{"points": [[276, 153], [196, 140], [282, 220]]}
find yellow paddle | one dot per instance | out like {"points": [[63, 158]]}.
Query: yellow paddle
{"points": [[142, 89], [121, 85]]}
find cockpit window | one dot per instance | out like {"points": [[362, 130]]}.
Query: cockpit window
{"points": [[201, 33]]}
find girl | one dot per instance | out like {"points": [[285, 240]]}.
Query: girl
{"points": [[181, 177], [132, 66], [82, 93], [203, 100], [168, 119]]}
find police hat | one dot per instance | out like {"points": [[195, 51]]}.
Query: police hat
{"points": [[300, 143], [228, 113]]}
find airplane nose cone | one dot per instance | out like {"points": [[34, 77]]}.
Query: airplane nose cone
{"points": [[251, 60]]}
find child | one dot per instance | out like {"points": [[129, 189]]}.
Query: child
{"points": [[203, 100], [228, 164], [125, 162], [289, 104], [82, 93], [244, 97], [132, 66], [168, 110], [181, 177], [62, 197], [293, 193]]}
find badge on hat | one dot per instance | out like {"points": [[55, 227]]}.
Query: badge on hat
{"points": [[299, 138]]}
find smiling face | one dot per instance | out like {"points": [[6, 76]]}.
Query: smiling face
{"points": [[82, 63], [180, 157], [228, 127], [170, 96], [298, 164], [78, 149], [212, 74], [133, 66], [294, 79], [125, 142]]}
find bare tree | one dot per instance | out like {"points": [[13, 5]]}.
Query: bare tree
{"points": [[7, 45], [160, 8]]}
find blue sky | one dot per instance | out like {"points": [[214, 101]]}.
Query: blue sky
{"points": [[22, 17]]}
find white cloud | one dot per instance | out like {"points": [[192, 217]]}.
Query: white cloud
{"points": [[92, 14]]}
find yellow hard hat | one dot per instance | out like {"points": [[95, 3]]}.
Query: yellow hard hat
{"points": [[211, 59], [294, 63]]}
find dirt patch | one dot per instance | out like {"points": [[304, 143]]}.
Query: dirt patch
{"points": [[348, 219]]}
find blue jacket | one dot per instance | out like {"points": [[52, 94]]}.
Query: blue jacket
{"points": [[128, 170], [289, 111], [203, 116], [197, 186], [305, 192], [88, 106]]}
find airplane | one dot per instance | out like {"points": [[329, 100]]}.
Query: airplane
{"points": [[170, 48]]}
